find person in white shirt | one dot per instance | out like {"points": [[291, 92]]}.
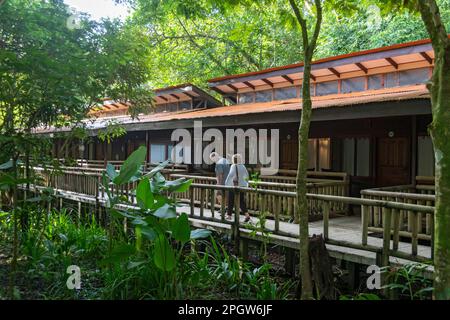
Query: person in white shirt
{"points": [[238, 176]]}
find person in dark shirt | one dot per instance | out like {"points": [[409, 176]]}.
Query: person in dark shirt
{"points": [[222, 169]]}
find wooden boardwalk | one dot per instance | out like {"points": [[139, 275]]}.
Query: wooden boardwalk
{"points": [[345, 229]]}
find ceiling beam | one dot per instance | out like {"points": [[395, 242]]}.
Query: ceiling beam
{"points": [[427, 57], [248, 84], [232, 87], [219, 91], [267, 82], [163, 98], [313, 77], [392, 62], [287, 78], [335, 72], [175, 96], [190, 95], [362, 67]]}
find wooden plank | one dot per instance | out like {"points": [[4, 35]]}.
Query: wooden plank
{"points": [[386, 236], [396, 227], [364, 223], [326, 218]]}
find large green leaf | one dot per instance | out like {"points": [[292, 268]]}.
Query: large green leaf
{"points": [[200, 234], [144, 195], [6, 165], [165, 212], [164, 255], [119, 254], [157, 169], [111, 171], [181, 230], [131, 166], [179, 185]]}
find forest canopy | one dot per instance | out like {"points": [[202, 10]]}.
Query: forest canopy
{"points": [[196, 41]]}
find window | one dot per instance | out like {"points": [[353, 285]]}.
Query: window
{"points": [[263, 96], [326, 88], [160, 108], [172, 107], [361, 148], [353, 85], [324, 154], [348, 155], [425, 156], [363, 157], [391, 80], [375, 82], [319, 154], [185, 105], [246, 97], [416, 76], [157, 153], [285, 93], [312, 154]]}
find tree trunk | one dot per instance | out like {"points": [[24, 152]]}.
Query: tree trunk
{"points": [[321, 268], [440, 133], [302, 204]]}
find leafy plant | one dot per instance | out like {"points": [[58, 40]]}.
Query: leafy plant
{"points": [[409, 280]]}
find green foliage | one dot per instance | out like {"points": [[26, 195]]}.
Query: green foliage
{"points": [[112, 131], [361, 296], [410, 281]]}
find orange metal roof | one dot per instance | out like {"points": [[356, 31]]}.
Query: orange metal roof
{"points": [[333, 58], [338, 100]]}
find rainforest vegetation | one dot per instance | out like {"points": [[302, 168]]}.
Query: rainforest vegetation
{"points": [[51, 74]]}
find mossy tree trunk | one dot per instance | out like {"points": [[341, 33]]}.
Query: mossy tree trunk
{"points": [[309, 46], [439, 129]]}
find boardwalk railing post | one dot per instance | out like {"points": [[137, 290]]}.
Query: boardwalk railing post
{"points": [[326, 218], [364, 224], [237, 213], [386, 236], [191, 196]]}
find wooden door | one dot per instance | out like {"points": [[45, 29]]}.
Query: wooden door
{"points": [[393, 161], [289, 154]]}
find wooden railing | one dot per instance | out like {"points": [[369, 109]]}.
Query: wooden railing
{"points": [[206, 208], [392, 210], [101, 164], [411, 224], [288, 205]]}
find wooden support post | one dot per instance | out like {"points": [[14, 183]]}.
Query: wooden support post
{"points": [[364, 224], [387, 212], [191, 196], [353, 275], [202, 202], [79, 211], [289, 261], [212, 198], [243, 249], [414, 233], [396, 227], [237, 214], [326, 218], [222, 205], [277, 213]]}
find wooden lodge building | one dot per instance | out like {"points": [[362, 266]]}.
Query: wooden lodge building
{"points": [[370, 114]]}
